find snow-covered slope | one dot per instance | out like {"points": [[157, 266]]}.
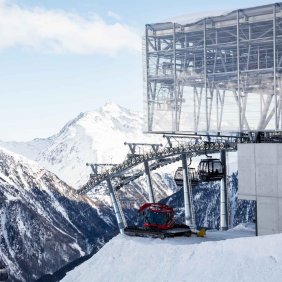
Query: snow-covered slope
{"points": [[43, 224], [96, 136], [186, 259]]}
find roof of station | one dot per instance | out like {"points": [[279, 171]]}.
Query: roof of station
{"points": [[215, 16]]}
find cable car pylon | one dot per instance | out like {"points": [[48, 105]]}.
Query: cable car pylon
{"points": [[117, 209], [223, 194], [187, 190], [121, 221], [149, 182]]}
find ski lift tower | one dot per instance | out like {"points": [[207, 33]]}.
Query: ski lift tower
{"points": [[220, 75]]}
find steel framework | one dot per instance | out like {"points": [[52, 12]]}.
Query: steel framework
{"points": [[218, 74]]}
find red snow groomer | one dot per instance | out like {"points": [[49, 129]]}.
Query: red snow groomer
{"points": [[158, 222], [157, 216]]}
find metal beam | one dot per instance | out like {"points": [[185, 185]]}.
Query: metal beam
{"points": [[186, 192], [116, 207], [205, 71], [223, 194], [146, 76], [174, 116], [238, 71], [275, 69], [149, 182]]}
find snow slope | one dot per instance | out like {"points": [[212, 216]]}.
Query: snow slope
{"points": [[218, 257]]}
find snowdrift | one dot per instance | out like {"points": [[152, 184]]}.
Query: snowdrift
{"points": [[218, 257]]}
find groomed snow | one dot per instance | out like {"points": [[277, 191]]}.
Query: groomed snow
{"points": [[221, 256]]}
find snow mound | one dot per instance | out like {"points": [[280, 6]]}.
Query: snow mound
{"points": [[218, 257]]}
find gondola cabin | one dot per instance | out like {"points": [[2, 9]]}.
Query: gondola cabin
{"points": [[178, 176], [210, 170]]}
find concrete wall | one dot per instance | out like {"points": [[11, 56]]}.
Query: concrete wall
{"points": [[260, 179]]}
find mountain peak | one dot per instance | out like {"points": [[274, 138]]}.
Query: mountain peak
{"points": [[113, 107], [93, 136], [110, 108]]}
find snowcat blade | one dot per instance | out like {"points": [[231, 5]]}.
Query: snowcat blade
{"points": [[153, 233]]}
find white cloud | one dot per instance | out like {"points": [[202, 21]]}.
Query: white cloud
{"points": [[62, 32], [114, 15]]}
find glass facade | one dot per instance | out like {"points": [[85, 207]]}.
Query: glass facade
{"points": [[218, 74]]}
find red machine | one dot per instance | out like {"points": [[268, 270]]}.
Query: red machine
{"points": [[157, 216], [158, 222]]}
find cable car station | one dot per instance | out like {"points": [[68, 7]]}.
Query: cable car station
{"points": [[211, 86]]}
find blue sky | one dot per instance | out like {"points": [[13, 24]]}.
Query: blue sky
{"points": [[62, 57]]}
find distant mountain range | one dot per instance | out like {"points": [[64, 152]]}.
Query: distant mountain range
{"points": [[91, 137]]}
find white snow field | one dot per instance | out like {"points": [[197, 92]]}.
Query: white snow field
{"points": [[234, 255]]}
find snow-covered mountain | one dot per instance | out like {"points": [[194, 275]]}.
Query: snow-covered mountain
{"points": [[43, 223], [220, 256], [96, 136]]}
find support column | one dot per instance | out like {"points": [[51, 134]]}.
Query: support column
{"points": [[149, 96], [223, 194], [256, 215], [175, 85], [149, 182], [116, 207], [186, 192], [238, 72], [206, 73], [275, 69]]}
